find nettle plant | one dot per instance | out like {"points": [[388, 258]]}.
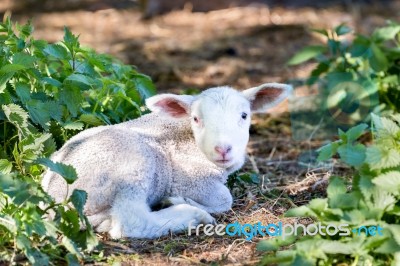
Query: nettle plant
{"points": [[49, 92], [372, 61], [372, 199]]}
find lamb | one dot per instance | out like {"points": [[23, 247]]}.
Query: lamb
{"points": [[181, 153]]}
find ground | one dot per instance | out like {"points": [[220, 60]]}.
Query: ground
{"points": [[185, 51]]}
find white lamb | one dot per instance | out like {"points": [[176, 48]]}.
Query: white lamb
{"points": [[183, 151]]}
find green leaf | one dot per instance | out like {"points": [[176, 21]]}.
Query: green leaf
{"points": [[8, 222], [275, 243], [306, 54], [10, 69], [91, 119], [71, 246], [337, 247], [379, 157], [385, 126], [355, 132], [23, 59], [73, 125], [336, 187], [344, 201], [395, 230], [302, 211], [70, 40], [17, 116], [66, 171], [389, 181], [144, 85], [58, 51], [327, 151], [342, 29], [52, 82], [353, 155], [72, 98], [72, 260], [5, 166], [378, 60], [386, 33], [78, 199], [23, 91], [38, 112], [80, 79], [4, 78]]}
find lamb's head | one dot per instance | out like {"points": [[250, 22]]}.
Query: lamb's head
{"points": [[220, 117]]}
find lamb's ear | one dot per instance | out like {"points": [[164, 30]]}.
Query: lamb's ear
{"points": [[267, 95], [170, 104]]}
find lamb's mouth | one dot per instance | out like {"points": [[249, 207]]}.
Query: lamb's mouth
{"points": [[223, 162]]}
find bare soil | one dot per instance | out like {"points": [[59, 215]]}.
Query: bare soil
{"points": [[185, 52]]}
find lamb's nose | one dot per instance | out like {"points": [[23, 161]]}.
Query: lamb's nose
{"points": [[223, 149]]}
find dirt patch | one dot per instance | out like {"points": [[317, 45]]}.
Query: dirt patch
{"points": [[240, 46]]}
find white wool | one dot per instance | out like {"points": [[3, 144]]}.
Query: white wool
{"points": [[129, 167]]}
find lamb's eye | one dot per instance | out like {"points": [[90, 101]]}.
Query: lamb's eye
{"points": [[195, 119], [244, 116]]}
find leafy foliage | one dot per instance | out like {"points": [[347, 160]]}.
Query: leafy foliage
{"points": [[48, 93], [374, 199], [373, 59]]}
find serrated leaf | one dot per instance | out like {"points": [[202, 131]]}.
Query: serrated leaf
{"points": [[72, 98], [318, 205], [10, 69], [23, 59], [379, 157], [54, 109], [389, 181], [23, 91], [355, 132], [38, 112], [366, 188], [4, 78], [5, 166], [385, 126], [8, 222], [326, 152], [344, 201], [17, 116], [353, 155], [80, 79], [383, 200], [52, 82], [71, 246], [144, 85], [336, 187], [66, 171], [58, 51], [78, 199], [91, 119], [73, 125], [306, 54]]}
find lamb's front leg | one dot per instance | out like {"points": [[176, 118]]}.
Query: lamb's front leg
{"points": [[214, 197], [132, 217]]}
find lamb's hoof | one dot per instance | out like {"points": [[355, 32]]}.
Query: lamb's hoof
{"points": [[204, 217]]}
